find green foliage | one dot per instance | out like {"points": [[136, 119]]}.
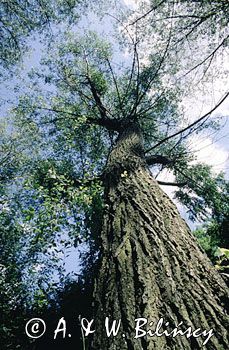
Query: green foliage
{"points": [[62, 201], [206, 197], [205, 193], [212, 236], [12, 289], [19, 18], [208, 241], [222, 263]]}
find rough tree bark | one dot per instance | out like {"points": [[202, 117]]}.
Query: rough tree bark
{"points": [[151, 265]]}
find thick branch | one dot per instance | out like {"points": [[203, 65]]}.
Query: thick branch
{"points": [[102, 109], [109, 124], [177, 184], [158, 159]]}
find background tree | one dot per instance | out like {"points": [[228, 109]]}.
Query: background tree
{"points": [[209, 203]]}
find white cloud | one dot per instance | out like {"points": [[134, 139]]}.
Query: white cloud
{"points": [[211, 153], [131, 3]]}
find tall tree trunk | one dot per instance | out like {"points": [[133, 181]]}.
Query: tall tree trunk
{"points": [[151, 265]]}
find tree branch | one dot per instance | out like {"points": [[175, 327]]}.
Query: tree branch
{"points": [[141, 96], [109, 124], [115, 82], [177, 184], [102, 109], [158, 159], [135, 59], [190, 125], [211, 55], [147, 13]]}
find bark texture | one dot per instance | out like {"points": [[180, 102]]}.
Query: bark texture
{"points": [[151, 265]]}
